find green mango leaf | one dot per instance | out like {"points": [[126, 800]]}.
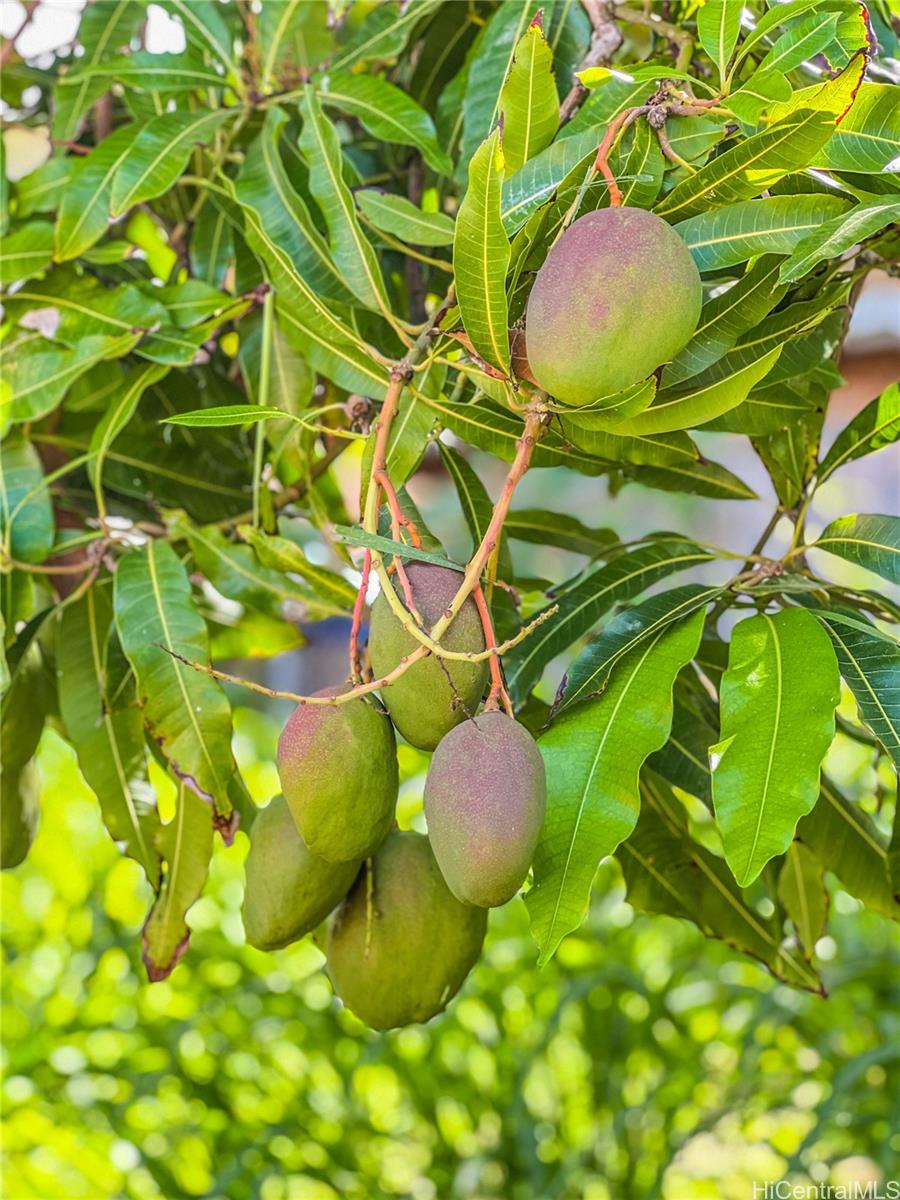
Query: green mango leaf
{"points": [[868, 137], [738, 232], [84, 212], [212, 244], [498, 432], [104, 724], [539, 178], [147, 72], [778, 697], [296, 31], [310, 325], [264, 187], [353, 255], [869, 540], [103, 28], [666, 871], [42, 373], [280, 554], [725, 317], [27, 252], [848, 842], [840, 234], [763, 89], [771, 20], [396, 215], [870, 664], [185, 711], [584, 599], [26, 510], [529, 105], [800, 43], [221, 416], [185, 844], [673, 410], [237, 572], [116, 418], [756, 163], [684, 759], [698, 478], [873, 428], [644, 168], [354, 536], [158, 157], [589, 673], [541, 527], [291, 382], [41, 191], [488, 70], [206, 27], [611, 446], [388, 113], [718, 26], [593, 754], [384, 32], [481, 257], [770, 407], [802, 892]]}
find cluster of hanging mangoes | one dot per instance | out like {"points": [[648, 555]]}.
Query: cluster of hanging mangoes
{"points": [[411, 910]]}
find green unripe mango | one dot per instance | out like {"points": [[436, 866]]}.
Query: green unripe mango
{"points": [[485, 798], [401, 944], [338, 769], [432, 696], [618, 296], [289, 891]]}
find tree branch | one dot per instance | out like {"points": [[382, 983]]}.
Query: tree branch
{"points": [[605, 41]]}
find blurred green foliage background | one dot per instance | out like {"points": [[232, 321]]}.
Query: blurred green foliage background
{"points": [[643, 1062]]}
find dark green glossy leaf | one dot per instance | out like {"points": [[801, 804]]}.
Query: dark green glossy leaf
{"points": [[593, 754], [778, 697]]}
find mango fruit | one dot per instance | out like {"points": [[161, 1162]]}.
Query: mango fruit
{"points": [[288, 890], [338, 770], [433, 695], [485, 798], [617, 296], [401, 944]]}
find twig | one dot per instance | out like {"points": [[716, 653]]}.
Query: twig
{"points": [[666, 146], [605, 41], [355, 663], [498, 692], [361, 689]]}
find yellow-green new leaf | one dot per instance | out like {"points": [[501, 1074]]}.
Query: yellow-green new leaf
{"points": [[777, 698], [529, 104], [593, 755], [481, 257]]}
